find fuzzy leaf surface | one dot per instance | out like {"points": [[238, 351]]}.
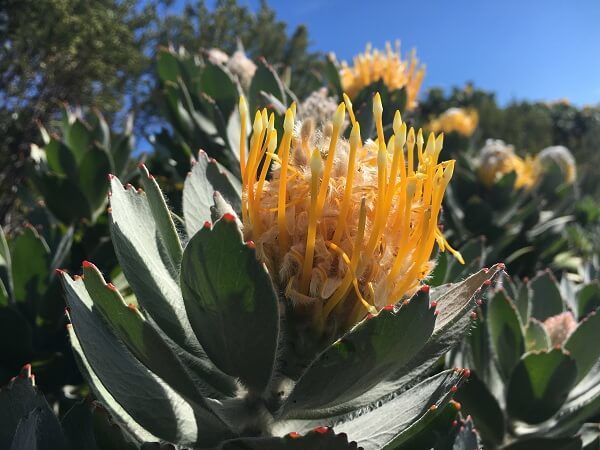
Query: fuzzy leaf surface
{"points": [[402, 417], [231, 302], [153, 274], [147, 398], [366, 355], [206, 178]]}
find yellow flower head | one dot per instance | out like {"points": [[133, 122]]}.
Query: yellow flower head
{"points": [[498, 159], [562, 157], [345, 227], [460, 120], [374, 65]]}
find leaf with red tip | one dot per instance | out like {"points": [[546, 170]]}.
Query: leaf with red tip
{"points": [[18, 400], [206, 178], [313, 440], [162, 216], [145, 341], [405, 417], [369, 353], [478, 401], [231, 303], [467, 437], [454, 302], [128, 388], [151, 269]]}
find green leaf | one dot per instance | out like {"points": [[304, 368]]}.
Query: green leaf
{"points": [[64, 198], [438, 274], [121, 151], [152, 274], [162, 216], [454, 303], [78, 427], [588, 299], [78, 137], [5, 267], [506, 334], [265, 79], [540, 384], [30, 266], [100, 130], [147, 398], [480, 403], [365, 356], [217, 83], [320, 439], [61, 159], [17, 399], [578, 344], [143, 339], [398, 420], [93, 170], [206, 178], [231, 303], [39, 430], [536, 337], [545, 298], [167, 65], [467, 438], [522, 302]]}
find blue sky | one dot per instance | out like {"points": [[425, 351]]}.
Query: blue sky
{"points": [[527, 49]]}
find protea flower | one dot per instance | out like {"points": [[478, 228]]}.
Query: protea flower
{"points": [[563, 158], [460, 120], [497, 159], [346, 227], [388, 66], [211, 349], [319, 106]]}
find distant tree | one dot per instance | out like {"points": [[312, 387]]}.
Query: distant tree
{"points": [[52, 51]]}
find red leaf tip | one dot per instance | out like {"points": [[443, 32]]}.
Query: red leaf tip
{"points": [[250, 244], [425, 289], [388, 308], [228, 217], [321, 430], [294, 435], [87, 265]]}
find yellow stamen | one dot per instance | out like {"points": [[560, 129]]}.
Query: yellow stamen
{"points": [[316, 168], [349, 108], [284, 153], [355, 141], [338, 120], [341, 291], [243, 107]]}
